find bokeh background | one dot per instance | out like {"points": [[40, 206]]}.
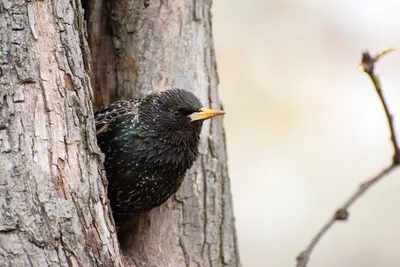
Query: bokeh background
{"points": [[305, 127]]}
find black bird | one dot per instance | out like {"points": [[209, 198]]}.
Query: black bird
{"points": [[149, 144]]}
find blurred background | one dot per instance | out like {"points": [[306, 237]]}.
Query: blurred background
{"points": [[305, 127]]}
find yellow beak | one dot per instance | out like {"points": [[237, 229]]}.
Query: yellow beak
{"points": [[205, 114]]}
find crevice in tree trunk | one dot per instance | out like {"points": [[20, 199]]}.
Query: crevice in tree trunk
{"points": [[103, 53]]}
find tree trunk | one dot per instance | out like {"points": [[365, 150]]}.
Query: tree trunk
{"points": [[53, 209], [156, 45], [53, 205]]}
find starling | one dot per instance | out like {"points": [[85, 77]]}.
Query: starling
{"points": [[149, 144]]}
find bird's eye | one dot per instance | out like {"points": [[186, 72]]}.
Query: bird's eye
{"points": [[177, 113]]}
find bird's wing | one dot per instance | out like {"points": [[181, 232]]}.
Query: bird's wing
{"points": [[106, 114]]}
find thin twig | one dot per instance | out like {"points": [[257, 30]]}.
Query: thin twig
{"points": [[341, 215], [367, 65]]}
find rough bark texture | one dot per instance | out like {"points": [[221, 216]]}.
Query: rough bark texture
{"points": [[156, 45], [53, 209]]}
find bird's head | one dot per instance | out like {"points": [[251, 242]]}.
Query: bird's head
{"points": [[176, 114]]}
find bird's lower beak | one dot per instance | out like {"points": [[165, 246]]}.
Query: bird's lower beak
{"points": [[205, 113]]}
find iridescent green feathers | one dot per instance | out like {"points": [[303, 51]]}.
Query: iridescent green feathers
{"points": [[148, 144]]}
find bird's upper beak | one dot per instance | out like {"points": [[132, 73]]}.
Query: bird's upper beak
{"points": [[205, 113]]}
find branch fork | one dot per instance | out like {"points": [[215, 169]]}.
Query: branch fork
{"points": [[367, 66]]}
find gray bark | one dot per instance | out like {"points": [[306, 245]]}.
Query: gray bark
{"points": [[53, 205], [149, 46]]}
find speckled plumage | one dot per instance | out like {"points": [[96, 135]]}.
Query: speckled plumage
{"points": [[148, 144]]}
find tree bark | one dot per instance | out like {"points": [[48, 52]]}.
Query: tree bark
{"points": [[153, 45], [53, 205]]}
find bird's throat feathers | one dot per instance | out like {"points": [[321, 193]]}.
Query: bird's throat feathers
{"points": [[176, 151]]}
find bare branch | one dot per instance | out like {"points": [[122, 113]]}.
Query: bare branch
{"points": [[341, 214], [367, 66]]}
